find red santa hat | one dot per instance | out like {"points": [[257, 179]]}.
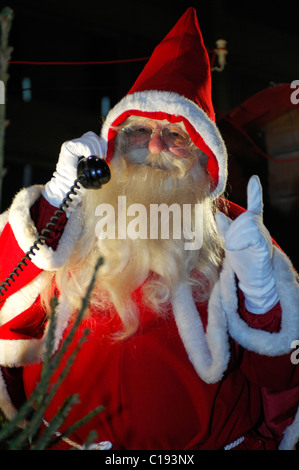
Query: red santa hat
{"points": [[175, 85]]}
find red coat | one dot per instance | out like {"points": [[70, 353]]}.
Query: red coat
{"points": [[154, 398], [152, 395]]}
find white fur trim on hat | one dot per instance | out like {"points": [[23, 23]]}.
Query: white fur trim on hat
{"points": [[174, 104]]}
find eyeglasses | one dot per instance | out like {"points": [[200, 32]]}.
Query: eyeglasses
{"points": [[139, 135]]}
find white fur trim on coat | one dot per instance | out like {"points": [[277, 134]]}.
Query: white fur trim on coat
{"points": [[259, 341], [208, 352], [290, 437], [6, 404], [26, 234], [22, 352], [175, 104]]}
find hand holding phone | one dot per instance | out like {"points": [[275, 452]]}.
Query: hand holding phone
{"points": [[65, 175]]}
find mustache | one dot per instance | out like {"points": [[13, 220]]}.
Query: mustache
{"points": [[164, 161]]}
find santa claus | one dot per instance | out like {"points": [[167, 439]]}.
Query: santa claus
{"points": [[189, 344]]}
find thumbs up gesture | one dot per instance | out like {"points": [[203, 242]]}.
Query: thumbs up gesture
{"points": [[249, 249]]}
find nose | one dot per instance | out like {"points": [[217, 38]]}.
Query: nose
{"points": [[156, 144]]}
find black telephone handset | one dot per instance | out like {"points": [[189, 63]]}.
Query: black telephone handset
{"points": [[92, 173]]}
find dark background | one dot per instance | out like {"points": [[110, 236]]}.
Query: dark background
{"points": [[262, 41]]}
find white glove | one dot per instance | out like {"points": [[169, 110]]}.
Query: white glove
{"points": [[66, 169], [249, 249]]}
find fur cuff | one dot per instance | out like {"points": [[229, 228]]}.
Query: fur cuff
{"points": [[259, 341], [26, 234]]}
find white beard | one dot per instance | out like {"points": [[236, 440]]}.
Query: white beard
{"points": [[130, 263], [146, 180]]}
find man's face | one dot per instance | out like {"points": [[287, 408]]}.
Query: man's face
{"points": [[159, 137], [156, 136], [158, 144]]}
